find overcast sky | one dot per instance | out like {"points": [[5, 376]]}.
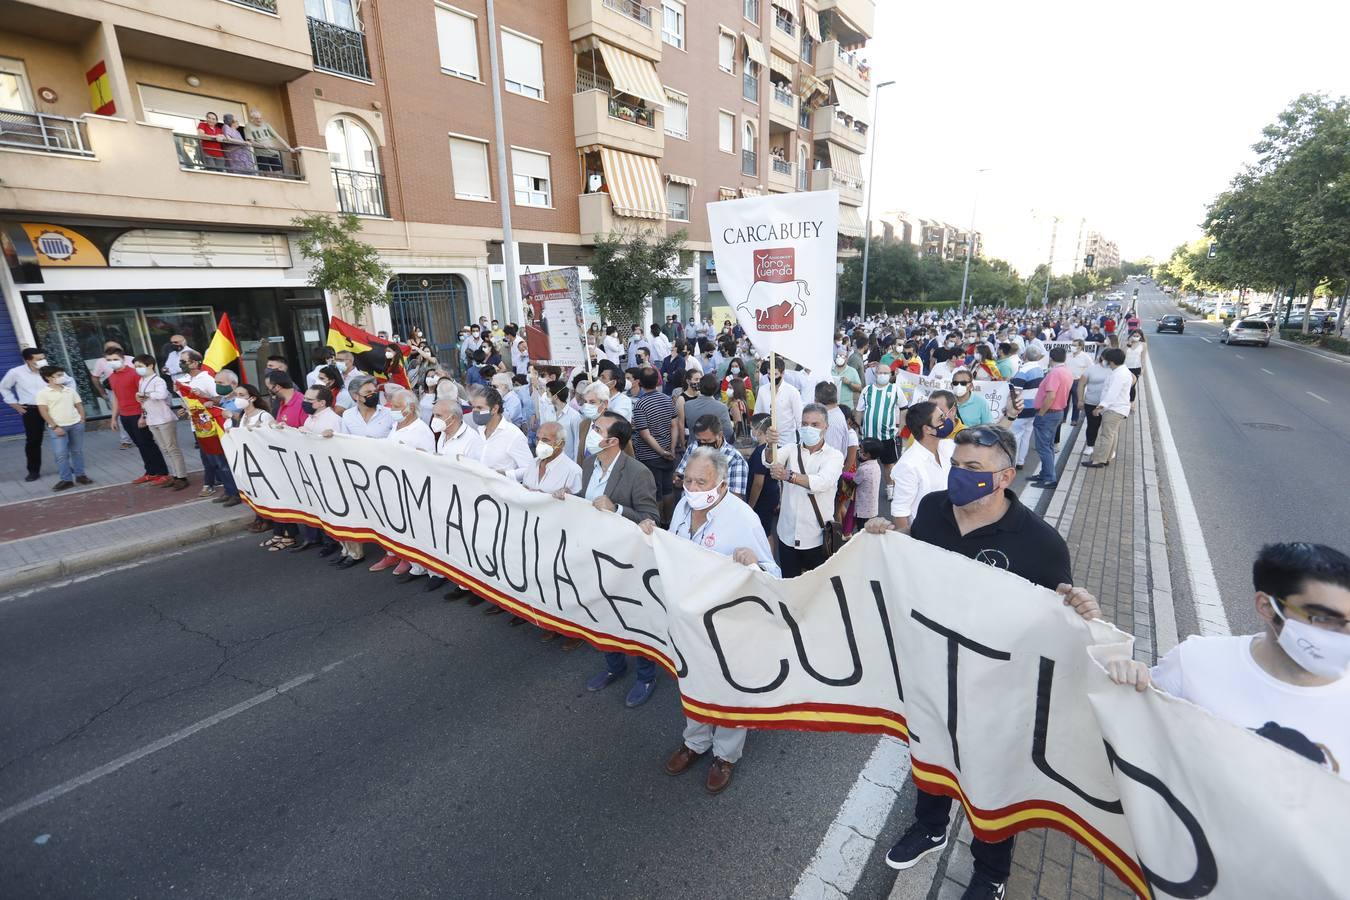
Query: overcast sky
{"points": [[1131, 116]]}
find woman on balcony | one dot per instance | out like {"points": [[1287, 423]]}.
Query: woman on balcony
{"points": [[238, 153], [212, 154]]}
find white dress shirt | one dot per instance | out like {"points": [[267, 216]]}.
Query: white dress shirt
{"points": [[417, 436], [570, 422], [918, 474], [621, 404], [505, 450], [797, 524], [561, 473], [21, 385], [173, 362], [789, 406], [1116, 394], [660, 347], [729, 526], [1078, 364], [321, 421], [379, 426], [613, 350], [600, 477], [465, 442]]}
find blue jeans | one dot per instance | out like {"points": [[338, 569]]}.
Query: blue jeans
{"points": [[217, 471], [617, 663], [69, 451], [1045, 442]]}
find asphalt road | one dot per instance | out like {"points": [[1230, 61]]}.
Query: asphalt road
{"points": [[1263, 434], [433, 751]]}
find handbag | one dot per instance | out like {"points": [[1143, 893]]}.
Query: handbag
{"points": [[832, 533]]}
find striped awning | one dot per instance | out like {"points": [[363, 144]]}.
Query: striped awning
{"points": [[850, 222], [852, 102], [681, 179], [635, 186], [633, 74], [787, 6], [755, 49], [811, 85], [845, 161], [781, 64], [811, 20], [752, 192]]}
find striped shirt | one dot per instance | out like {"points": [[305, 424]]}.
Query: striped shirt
{"points": [[654, 411], [738, 470], [880, 406]]}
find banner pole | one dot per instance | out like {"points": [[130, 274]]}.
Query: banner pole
{"points": [[773, 402]]}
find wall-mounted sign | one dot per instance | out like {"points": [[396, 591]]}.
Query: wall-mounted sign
{"points": [[57, 245]]}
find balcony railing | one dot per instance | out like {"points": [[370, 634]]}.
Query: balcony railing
{"points": [[359, 192], [750, 87], [632, 9], [229, 158], [589, 81], [785, 24], [749, 162], [264, 5], [803, 179], [784, 96], [338, 50], [43, 133], [783, 167], [629, 112]]}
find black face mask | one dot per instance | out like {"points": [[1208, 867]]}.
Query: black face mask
{"points": [[372, 401], [308, 407]]}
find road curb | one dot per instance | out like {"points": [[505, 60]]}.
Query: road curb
{"points": [[80, 563]]}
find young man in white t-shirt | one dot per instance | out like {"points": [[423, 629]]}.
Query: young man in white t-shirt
{"points": [[1289, 683]]}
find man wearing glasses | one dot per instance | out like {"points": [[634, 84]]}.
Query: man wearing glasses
{"points": [[1290, 682], [980, 517]]}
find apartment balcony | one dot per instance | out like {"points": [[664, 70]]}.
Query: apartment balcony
{"points": [[360, 193], [602, 118], [829, 127], [833, 61], [626, 24], [859, 17], [341, 51], [97, 166], [785, 35], [783, 108], [599, 221], [782, 175], [850, 189]]}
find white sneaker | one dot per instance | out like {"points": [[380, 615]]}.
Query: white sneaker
{"points": [[890, 492], [1113, 456], [1087, 451]]}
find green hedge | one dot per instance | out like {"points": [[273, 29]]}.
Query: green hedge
{"points": [[1326, 342]]}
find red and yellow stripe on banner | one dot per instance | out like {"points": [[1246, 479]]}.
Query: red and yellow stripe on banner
{"points": [[991, 825]]}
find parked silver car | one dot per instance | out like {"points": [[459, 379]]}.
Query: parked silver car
{"points": [[1247, 331]]}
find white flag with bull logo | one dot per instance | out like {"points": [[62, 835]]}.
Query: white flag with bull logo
{"points": [[776, 259]]}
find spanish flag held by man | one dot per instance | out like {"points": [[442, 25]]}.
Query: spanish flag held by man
{"points": [[224, 349]]}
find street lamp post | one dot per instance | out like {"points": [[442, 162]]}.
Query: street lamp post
{"points": [[970, 240], [867, 224], [511, 292]]}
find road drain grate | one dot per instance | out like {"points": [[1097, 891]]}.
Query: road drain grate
{"points": [[1267, 426]]}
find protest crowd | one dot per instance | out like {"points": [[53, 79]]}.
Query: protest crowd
{"points": [[921, 426]]}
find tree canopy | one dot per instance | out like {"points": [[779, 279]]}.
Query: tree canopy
{"points": [[341, 262], [629, 270]]}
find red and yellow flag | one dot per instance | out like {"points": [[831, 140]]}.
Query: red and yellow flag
{"points": [[224, 349], [346, 336]]}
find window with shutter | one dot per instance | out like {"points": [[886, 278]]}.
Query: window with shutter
{"points": [[469, 166], [523, 65], [726, 132], [456, 34], [677, 115], [726, 52], [530, 178]]}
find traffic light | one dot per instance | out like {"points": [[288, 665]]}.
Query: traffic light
{"points": [[1213, 250], [1087, 260]]}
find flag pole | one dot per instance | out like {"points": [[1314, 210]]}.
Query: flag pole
{"points": [[773, 402]]}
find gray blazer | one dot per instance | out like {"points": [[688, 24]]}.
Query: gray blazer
{"points": [[631, 485]]}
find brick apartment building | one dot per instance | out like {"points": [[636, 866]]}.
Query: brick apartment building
{"points": [[118, 220]]}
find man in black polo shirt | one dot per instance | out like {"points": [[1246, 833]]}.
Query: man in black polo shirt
{"points": [[979, 517]]}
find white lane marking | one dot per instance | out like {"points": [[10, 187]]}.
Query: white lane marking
{"points": [[1316, 397], [167, 741], [1320, 354], [838, 861], [1206, 340], [1205, 595], [1268, 372]]}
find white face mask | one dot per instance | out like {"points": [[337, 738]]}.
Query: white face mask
{"points": [[960, 390], [431, 380], [702, 499], [542, 450], [437, 424], [115, 364], [142, 371], [1316, 650], [590, 411], [840, 360], [593, 441], [883, 376]]}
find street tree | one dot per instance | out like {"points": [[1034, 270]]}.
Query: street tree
{"points": [[630, 270], [342, 263]]}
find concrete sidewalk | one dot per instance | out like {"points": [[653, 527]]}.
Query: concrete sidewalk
{"points": [[1112, 520], [45, 536]]}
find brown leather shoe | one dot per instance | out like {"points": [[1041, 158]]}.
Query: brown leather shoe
{"points": [[681, 760], [719, 776], [572, 643]]}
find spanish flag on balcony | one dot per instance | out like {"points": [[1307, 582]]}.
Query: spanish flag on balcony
{"points": [[224, 349], [346, 336]]}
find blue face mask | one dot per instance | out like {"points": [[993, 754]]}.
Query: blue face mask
{"points": [[233, 405], [946, 428], [965, 486], [808, 435]]}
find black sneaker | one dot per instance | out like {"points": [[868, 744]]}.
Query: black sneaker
{"points": [[983, 889], [913, 846]]}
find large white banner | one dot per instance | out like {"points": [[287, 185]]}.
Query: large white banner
{"points": [[918, 388], [987, 676], [776, 261]]}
